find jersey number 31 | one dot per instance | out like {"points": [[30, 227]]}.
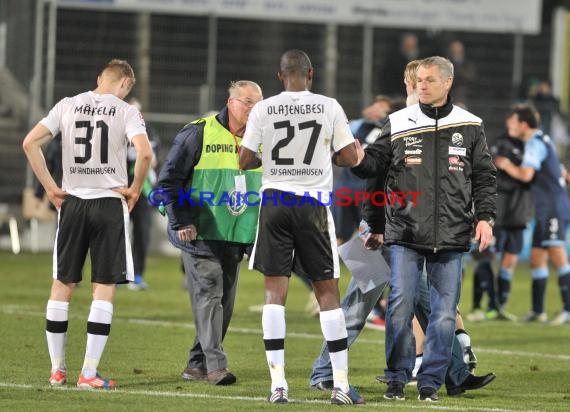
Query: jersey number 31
{"points": [[86, 140]]}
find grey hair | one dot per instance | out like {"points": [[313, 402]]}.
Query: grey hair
{"points": [[444, 65], [233, 90]]}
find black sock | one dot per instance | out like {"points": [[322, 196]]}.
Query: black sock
{"points": [[487, 280], [538, 291], [477, 289], [504, 290], [564, 284]]}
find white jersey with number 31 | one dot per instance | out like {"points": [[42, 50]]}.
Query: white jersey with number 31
{"points": [[95, 132], [298, 132]]}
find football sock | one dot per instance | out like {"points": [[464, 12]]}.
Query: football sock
{"points": [[504, 282], [538, 291], [485, 283], [477, 289], [273, 324], [539, 280], [488, 283], [564, 284], [334, 330], [98, 328], [56, 332]]}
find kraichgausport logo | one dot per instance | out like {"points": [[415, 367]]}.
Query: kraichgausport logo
{"points": [[237, 202]]}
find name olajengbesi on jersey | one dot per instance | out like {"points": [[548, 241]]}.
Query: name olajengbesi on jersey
{"points": [[292, 109], [342, 197]]}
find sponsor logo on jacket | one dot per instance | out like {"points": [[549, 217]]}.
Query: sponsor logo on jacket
{"points": [[413, 160], [455, 164], [413, 141]]}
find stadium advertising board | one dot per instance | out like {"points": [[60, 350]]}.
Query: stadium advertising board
{"points": [[504, 16]]}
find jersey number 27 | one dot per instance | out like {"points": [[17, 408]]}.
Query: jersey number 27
{"points": [[286, 124]]}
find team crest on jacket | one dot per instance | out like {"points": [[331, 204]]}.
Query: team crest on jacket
{"points": [[237, 205], [457, 139]]}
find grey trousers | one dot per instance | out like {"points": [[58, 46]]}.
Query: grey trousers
{"points": [[212, 285]]}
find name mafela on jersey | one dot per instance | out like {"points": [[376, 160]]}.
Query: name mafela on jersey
{"points": [[96, 130]]}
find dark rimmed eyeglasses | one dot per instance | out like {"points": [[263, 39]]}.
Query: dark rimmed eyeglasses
{"points": [[247, 103]]}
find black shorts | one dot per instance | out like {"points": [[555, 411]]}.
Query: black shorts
{"points": [[549, 232], [295, 235], [509, 240], [99, 226]]}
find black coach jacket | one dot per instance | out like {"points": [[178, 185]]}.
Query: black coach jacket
{"points": [[440, 177]]}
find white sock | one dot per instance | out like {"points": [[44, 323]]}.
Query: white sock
{"points": [[273, 324], [334, 330], [57, 313], [419, 359], [463, 338], [98, 327]]}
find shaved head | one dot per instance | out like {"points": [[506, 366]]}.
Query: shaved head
{"points": [[295, 62]]}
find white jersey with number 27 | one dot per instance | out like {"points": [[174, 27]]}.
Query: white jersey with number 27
{"points": [[298, 132], [95, 132]]}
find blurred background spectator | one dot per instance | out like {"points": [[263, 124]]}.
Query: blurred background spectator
{"points": [[464, 72], [552, 122], [395, 62]]}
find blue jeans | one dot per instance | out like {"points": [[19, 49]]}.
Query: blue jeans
{"points": [[444, 276], [356, 307], [458, 370]]}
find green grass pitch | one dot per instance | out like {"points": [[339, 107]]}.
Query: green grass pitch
{"points": [[152, 332]]}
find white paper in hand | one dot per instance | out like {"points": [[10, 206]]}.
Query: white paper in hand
{"points": [[368, 267]]}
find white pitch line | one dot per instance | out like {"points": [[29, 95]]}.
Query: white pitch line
{"points": [[525, 354], [166, 394], [21, 310]]}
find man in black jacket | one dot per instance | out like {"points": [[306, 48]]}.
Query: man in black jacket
{"points": [[438, 150]]}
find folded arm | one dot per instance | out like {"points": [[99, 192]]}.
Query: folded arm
{"points": [[32, 146]]}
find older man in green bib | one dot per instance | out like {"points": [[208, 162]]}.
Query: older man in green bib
{"points": [[212, 221]]}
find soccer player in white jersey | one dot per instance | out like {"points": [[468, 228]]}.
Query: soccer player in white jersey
{"points": [[93, 207], [299, 131]]}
